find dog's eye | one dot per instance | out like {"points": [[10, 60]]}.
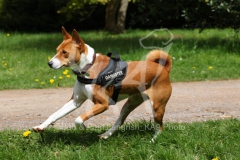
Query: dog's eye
{"points": [[64, 52]]}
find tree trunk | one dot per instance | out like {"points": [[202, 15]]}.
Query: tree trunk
{"points": [[116, 15], [122, 16], [111, 11]]}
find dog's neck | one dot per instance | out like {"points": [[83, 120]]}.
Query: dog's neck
{"points": [[85, 59]]}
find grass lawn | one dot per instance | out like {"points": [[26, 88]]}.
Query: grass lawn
{"points": [[210, 55], [199, 141]]}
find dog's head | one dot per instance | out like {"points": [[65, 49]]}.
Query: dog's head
{"points": [[69, 52]]}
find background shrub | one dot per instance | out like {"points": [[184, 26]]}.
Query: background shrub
{"points": [[45, 15]]}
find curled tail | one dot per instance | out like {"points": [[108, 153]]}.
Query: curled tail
{"points": [[160, 57]]}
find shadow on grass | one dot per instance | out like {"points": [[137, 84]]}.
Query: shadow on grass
{"points": [[91, 136], [69, 137], [126, 44]]}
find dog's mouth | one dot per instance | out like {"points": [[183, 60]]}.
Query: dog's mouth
{"points": [[56, 64], [64, 65]]}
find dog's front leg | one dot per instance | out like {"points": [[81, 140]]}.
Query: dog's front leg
{"points": [[97, 109], [67, 108], [100, 100]]}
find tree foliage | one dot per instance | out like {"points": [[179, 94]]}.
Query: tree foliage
{"points": [[214, 13], [80, 9], [188, 14], [29, 15], [45, 15]]}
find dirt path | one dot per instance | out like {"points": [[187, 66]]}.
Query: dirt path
{"points": [[195, 101]]}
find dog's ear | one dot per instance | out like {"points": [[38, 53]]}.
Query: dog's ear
{"points": [[65, 34], [77, 39]]}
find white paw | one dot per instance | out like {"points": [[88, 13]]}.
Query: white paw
{"points": [[152, 140], [79, 124], [157, 133], [105, 135], [38, 129], [102, 136]]}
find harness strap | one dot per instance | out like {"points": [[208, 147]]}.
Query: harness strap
{"points": [[116, 92], [117, 58], [84, 69], [86, 80], [111, 75]]}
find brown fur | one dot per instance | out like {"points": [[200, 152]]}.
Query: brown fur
{"points": [[147, 76], [144, 79]]}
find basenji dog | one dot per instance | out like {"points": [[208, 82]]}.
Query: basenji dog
{"points": [[147, 79]]}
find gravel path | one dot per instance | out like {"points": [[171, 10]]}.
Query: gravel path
{"points": [[195, 101]]}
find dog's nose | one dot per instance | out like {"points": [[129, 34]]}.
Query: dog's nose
{"points": [[50, 63]]}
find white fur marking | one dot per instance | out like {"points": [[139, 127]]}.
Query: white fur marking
{"points": [[86, 58], [56, 63], [79, 123], [153, 112], [67, 108], [83, 91], [78, 120]]}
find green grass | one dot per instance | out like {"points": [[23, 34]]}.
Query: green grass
{"points": [[199, 140], [210, 55]]}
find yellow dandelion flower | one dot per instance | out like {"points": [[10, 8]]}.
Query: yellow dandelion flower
{"points": [[60, 77], [216, 158], [210, 67], [3, 61], [65, 72], [68, 76], [36, 80], [42, 83], [49, 58], [51, 81], [26, 133], [193, 67], [5, 64], [8, 35], [10, 69]]}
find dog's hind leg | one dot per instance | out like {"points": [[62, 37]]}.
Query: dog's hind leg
{"points": [[158, 113], [132, 102], [158, 103], [159, 94], [66, 109]]}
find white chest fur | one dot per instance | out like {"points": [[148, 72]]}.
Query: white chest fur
{"points": [[82, 92]]}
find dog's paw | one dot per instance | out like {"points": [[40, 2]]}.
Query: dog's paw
{"points": [[102, 136], [105, 135], [79, 124], [157, 133], [152, 140], [38, 129]]}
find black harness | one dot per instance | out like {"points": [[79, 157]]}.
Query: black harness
{"points": [[111, 75]]}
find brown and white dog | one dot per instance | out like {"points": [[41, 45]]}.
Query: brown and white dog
{"points": [[147, 79]]}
